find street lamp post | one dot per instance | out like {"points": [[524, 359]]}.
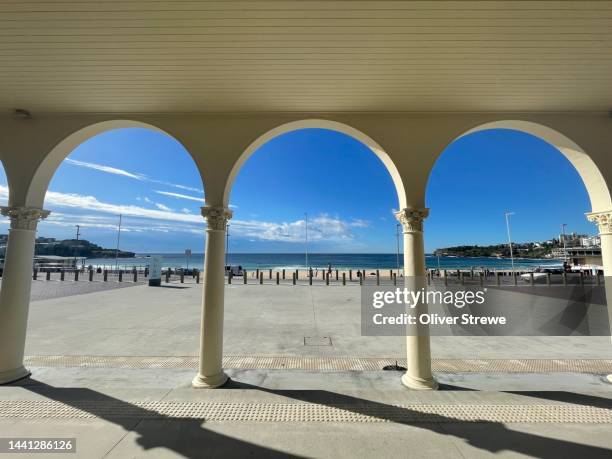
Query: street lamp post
{"points": [[76, 245], [306, 220], [227, 235], [118, 241], [563, 225], [507, 214]]}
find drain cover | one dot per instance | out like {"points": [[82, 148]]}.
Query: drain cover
{"points": [[394, 367], [317, 341]]}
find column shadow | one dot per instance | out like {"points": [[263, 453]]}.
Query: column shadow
{"points": [[569, 397], [185, 436], [488, 436]]}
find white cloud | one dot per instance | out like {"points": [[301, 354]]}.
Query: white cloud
{"points": [[107, 169], [320, 228], [160, 206], [132, 175], [181, 196], [185, 210], [4, 194], [359, 223], [180, 187], [110, 223], [91, 203]]}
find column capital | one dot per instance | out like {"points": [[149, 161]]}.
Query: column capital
{"points": [[24, 218], [216, 217], [412, 219], [603, 220]]}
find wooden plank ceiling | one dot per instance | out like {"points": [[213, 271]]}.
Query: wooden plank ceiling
{"points": [[235, 56]]}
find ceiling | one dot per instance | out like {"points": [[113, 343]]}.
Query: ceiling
{"points": [[233, 56]]}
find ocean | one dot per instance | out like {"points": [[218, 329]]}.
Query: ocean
{"points": [[320, 260]]}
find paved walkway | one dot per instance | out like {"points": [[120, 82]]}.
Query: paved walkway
{"points": [[266, 320], [113, 369], [284, 413]]}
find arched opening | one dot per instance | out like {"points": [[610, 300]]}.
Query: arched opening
{"points": [[310, 195], [116, 206], [508, 202], [596, 186], [508, 178], [320, 124], [40, 183]]}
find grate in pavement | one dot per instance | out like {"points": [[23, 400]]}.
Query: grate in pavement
{"points": [[317, 341]]}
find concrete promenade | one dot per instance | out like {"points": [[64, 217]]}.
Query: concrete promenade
{"points": [[259, 320], [113, 369]]}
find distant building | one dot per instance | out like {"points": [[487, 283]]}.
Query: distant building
{"points": [[590, 241], [56, 263], [580, 240], [579, 256]]}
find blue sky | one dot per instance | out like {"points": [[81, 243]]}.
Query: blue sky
{"points": [[344, 188]]}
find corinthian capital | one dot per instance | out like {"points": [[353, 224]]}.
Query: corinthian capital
{"points": [[24, 218], [603, 220], [216, 217], [412, 219]]}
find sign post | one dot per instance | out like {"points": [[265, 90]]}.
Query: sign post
{"points": [[155, 271]]}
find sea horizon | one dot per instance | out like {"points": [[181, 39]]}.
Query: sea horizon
{"points": [[265, 260]]}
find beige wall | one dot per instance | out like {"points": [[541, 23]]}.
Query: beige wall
{"points": [[409, 144]]}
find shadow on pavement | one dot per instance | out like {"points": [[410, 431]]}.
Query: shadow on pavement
{"points": [[189, 438], [570, 397], [185, 436], [488, 436]]}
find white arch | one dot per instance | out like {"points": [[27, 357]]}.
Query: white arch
{"points": [[596, 186], [318, 124], [44, 173]]}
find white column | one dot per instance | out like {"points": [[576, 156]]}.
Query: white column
{"points": [[418, 374], [210, 372], [15, 290], [603, 220]]}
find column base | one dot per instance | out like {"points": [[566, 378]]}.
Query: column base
{"points": [[418, 383], [9, 376], [209, 382]]}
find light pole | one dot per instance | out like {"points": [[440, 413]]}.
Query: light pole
{"points": [[563, 225], [76, 245], [306, 220], [118, 240], [227, 235], [507, 214]]}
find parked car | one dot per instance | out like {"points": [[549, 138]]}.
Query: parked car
{"points": [[540, 274], [235, 270]]}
